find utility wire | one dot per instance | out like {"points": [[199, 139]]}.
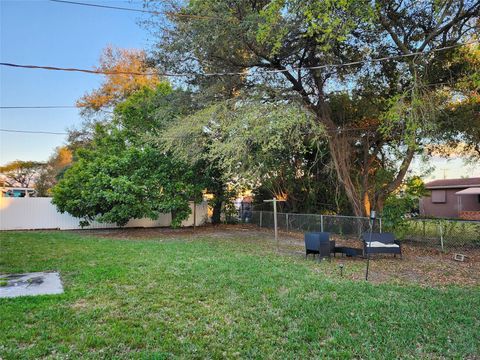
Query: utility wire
{"points": [[33, 132], [40, 107], [107, 111], [102, 72], [166, 74], [337, 130], [168, 13]]}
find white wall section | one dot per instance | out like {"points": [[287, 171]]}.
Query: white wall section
{"points": [[40, 213]]}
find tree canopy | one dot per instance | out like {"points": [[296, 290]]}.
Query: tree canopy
{"points": [[377, 114], [123, 68], [271, 146], [119, 177], [324, 103], [54, 168], [21, 173], [114, 183]]}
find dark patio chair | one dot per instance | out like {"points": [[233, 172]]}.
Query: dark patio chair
{"points": [[318, 243], [381, 243]]}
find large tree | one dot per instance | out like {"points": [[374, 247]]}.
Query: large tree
{"points": [[275, 149], [21, 173], [150, 116], [54, 168], [126, 71], [377, 114], [115, 181], [119, 176]]}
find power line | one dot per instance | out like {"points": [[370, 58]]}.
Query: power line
{"points": [[80, 106], [106, 6], [40, 107], [167, 74], [33, 132], [101, 72], [168, 13], [336, 130]]}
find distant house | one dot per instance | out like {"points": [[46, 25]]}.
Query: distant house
{"points": [[17, 192], [452, 198]]}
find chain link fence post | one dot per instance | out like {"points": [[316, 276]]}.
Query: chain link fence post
{"points": [[286, 221], [440, 229], [261, 217], [321, 223]]}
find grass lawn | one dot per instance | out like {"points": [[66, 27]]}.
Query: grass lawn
{"points": [[219, 298]]}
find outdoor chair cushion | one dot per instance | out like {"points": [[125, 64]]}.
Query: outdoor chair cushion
{"points": [[380, 244]]}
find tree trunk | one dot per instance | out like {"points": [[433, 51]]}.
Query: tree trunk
{"points": [[380, 202], [217, 210], [397, 181], [340, 152], [367, 205]]}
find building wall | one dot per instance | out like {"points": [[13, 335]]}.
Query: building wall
{"points": [[40, 213], [451, 208]]}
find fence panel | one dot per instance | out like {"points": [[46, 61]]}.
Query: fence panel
{"points": [[40, 213], [301, 222], [351, 226], [441, 234], [348, 226], [444, 234]]}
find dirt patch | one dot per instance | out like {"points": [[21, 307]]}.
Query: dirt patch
{"points": [[215, 231], [421, 265], [431, 267]]}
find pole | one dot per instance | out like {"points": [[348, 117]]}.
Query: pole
{"points": [[274, 201], [261, 216], [321, 223], [286, 221], [372, 221], [275, 221], [440, 229]]}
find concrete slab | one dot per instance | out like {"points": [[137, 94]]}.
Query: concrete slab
{"points": [[30, 284]]}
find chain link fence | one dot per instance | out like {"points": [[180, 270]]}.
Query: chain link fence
{"points": [[446, 235], [344, 226], [443, 234]]}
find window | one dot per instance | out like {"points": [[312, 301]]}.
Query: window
{"points": [[439, 196]]}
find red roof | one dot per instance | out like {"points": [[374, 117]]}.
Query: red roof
{"points": [[453, 183]]}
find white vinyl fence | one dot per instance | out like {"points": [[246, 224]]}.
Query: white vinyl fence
{"points": [[40, 213]]}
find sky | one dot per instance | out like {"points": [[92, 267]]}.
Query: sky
{"points": [[42, 32]]}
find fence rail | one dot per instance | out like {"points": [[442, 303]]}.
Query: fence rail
{"points": [[437, 233]]}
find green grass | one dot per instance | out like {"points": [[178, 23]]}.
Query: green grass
{"points": [[213, 298]]}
